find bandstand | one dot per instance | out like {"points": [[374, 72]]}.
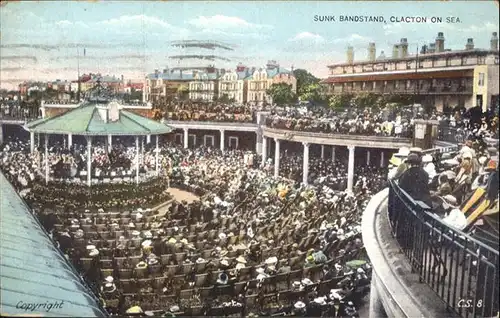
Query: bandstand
{"points": [[94, 118]]}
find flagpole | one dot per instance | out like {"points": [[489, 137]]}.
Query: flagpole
{"points": [[78, 70]]}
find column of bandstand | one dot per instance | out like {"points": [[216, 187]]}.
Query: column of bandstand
{"points": [[350, 169], [222, 141], [186, 138], [368, 157], [305, 167], [264, 150], [277, 158]]}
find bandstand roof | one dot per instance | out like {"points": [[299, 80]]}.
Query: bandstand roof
{"points": [[32, 270], [87, 120]]}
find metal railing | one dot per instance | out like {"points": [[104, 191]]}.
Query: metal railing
{"points": [[20, 114], [463, 271]]}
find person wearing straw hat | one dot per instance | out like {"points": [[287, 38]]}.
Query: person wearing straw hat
{"points": [[415, 181], [399, 164], [134, 311], [299, 308]]}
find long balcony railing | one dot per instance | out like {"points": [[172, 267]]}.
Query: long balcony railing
{"points": [[463, 271]]}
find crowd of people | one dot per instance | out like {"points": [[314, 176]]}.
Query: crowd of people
{"points": [[251, 244], [194, 111]]}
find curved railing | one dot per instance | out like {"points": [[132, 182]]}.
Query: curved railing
{"points": [[463, 271]]}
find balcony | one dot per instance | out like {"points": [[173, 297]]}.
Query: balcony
{"points": [[423, 267]]}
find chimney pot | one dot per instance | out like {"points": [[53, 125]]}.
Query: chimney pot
{"points": [[440, 42], [494, 42], [350, 55], [372, 52]]}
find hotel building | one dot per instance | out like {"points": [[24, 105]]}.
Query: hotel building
{"points": [[436, 76]]}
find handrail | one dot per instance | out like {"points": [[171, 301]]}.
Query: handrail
{"points": [[462, 270]]}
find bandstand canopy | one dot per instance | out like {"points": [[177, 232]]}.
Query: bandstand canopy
{"points": [[96, 119]]}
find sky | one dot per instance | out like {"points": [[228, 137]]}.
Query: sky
{"points": [[43, 40]]}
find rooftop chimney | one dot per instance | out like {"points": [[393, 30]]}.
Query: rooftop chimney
{"points": [[403, 48], [470, 44], [424, 49], [432, 48], [494, 42], [440, 42], [395, 51], [350, 55], [372, 52], [381, 56]]}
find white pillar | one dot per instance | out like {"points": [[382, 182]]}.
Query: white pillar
{"points": [[350, 169], [47, 159], [1, 134], [258, 142], [186, 138], [376, 307], [157, 158], [142, 150], [137, 159], [89, 161], [333, 153], [70, 140], [110, 142], [382, 163], [222, 141], [368, 157], [277, 158], [322, 151], [32, 142], [264, 150], [305, 168], [148, 139]]}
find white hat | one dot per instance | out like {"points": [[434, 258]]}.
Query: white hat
{"points": [[299, 305], [138, 216], [222, 236], [271, 260], [261, 276], [148, 234], [90, 247], [482, 160], [136, 233], [450, 199], [241, 259], [403, 152], [101, 210], [307, 281], [240, 266], [260, 270], [183, 241], [79, 233], [131, 225], [427, 158], [200, 260], [224, 262], [174, 309], [146, 243], [94, 252], [109, 279], [320, 300]]}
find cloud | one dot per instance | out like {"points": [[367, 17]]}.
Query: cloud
{"points": [[49, 47], [98, 57], [224, 22], [307, 36], [131, 20], [353, 38], [19, 57], [66, 23], [225, 34]]}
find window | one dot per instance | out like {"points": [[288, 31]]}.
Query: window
{"points": [[480, 60], [481, 79]]}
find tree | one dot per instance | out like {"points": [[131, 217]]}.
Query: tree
{"points": [[282, 94], [341, 100], [365, 100], [312, 93], [304, 79]]}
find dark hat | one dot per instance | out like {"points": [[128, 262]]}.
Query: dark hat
{"points": [[413, 159]]}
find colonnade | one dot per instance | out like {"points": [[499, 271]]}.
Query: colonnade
{"points": [[305, 167], [109, 145]]}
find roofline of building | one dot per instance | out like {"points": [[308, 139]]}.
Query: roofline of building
{"points": [[410, 71], [388, 76], [420, 56]]}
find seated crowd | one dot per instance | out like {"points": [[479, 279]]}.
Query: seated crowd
{"points": [[328, 121], [252, 244], [194, 111]]}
